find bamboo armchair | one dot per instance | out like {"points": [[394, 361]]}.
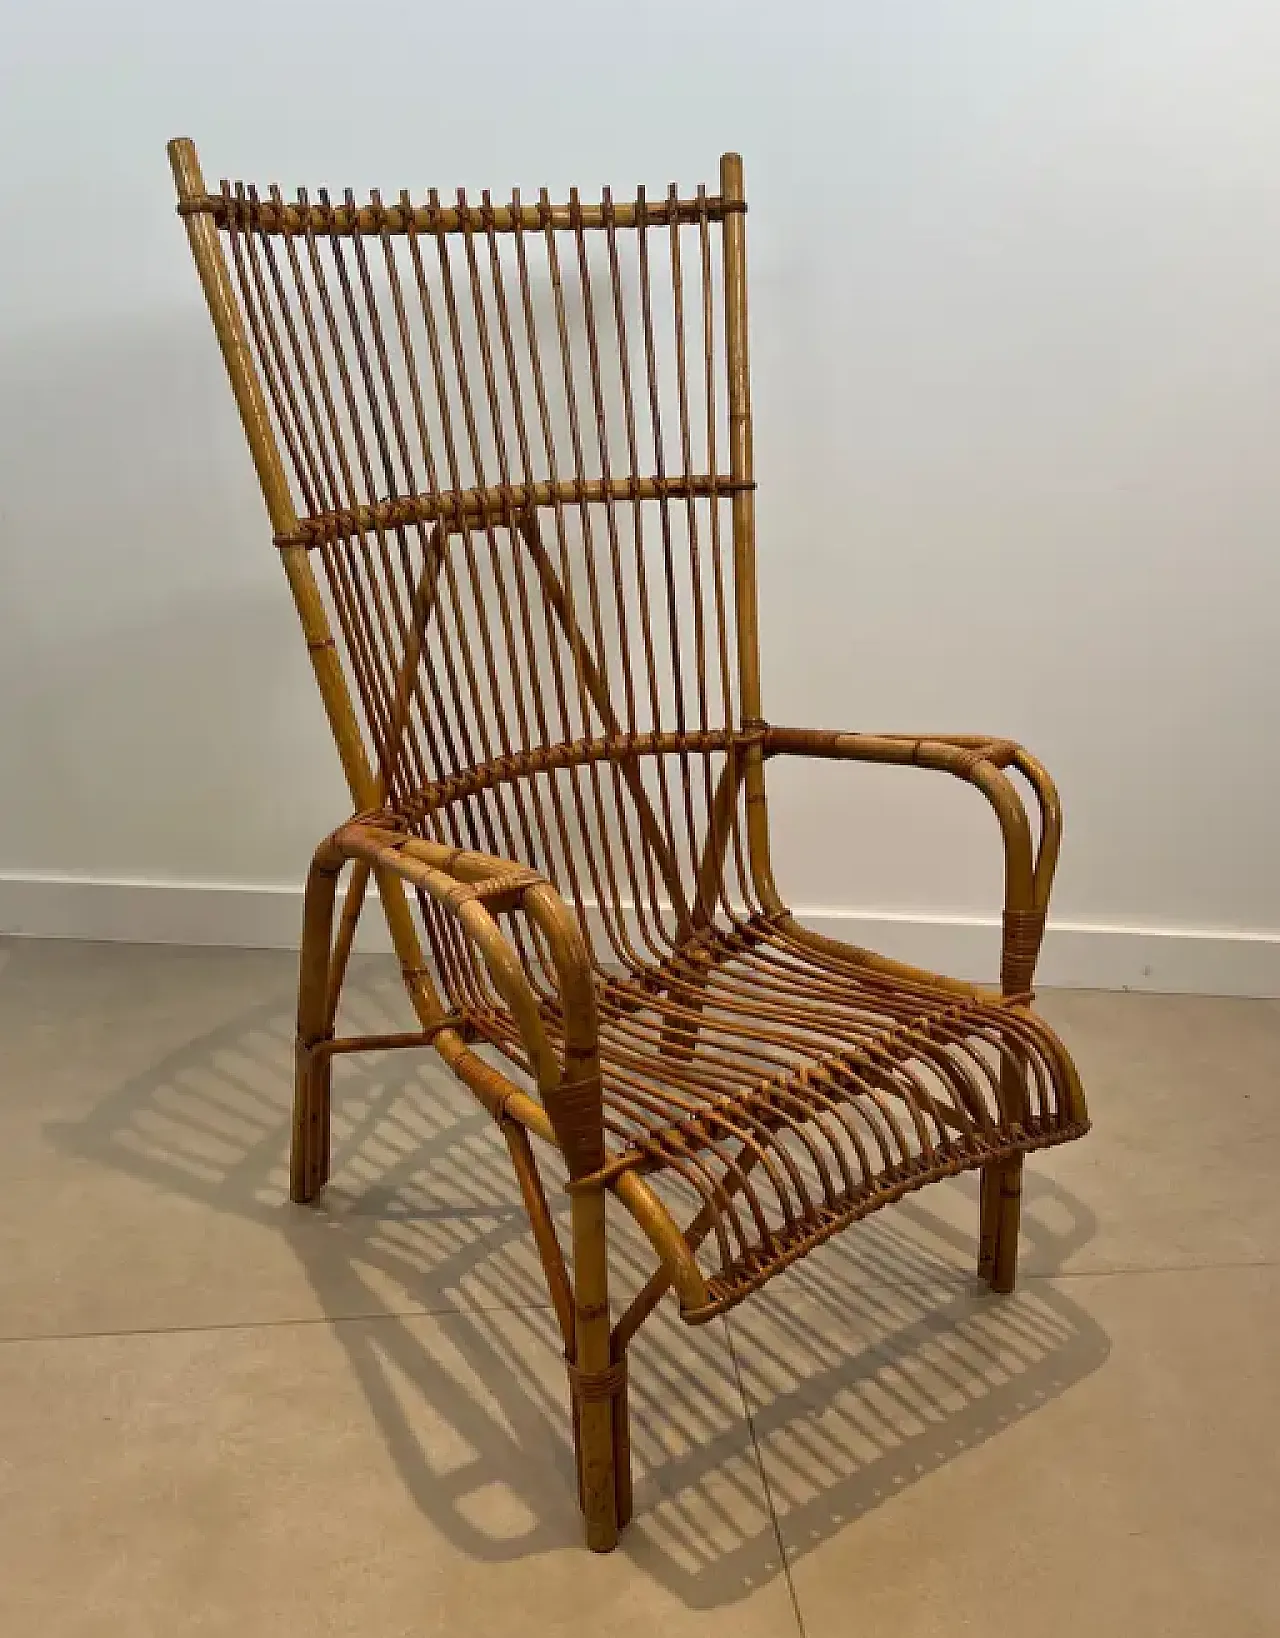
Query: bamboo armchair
{"points": [[506, 454]]}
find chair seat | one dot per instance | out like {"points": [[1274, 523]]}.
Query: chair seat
{"points": [[786, 1089]]}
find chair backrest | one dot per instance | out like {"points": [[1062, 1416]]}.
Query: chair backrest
{"points": [[506, 450]]}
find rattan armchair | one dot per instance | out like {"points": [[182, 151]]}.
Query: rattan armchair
{"points": [[506, 453]]}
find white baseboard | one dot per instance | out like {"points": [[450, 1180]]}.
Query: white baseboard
{"points": [[1079, 955], [142, 911], [1076, 955]]}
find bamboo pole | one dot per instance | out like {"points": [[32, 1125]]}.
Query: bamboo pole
{"points": [[593, 1358], [742, 470], [309, 1150], [237, 356]]}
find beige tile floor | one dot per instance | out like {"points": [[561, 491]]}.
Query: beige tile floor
{"points": [[220, 1414]]}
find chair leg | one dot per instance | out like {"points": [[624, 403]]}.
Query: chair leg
{"points": [[1002, 1183], [622, 1448], [309, 1150], [1002, 1180], [620, 1429], [598, 1384], [584, 1383], [1000, 1214], [603, 1454], [988, 1222]]}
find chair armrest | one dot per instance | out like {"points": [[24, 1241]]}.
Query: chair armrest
{"points": [[981, 761], [474, 888]]}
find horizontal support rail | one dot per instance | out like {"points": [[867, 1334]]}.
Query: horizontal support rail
{"points": [[571, 753], [463, 508]]}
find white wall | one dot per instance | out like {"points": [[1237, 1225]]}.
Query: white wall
{"points": [[1016, 306]]}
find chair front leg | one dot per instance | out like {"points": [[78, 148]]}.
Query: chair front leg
{"points": [[473, 888], [598, 1383], [603, 1457], [1001, 1199]]}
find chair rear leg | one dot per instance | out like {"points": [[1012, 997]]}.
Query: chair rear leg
{"points": [[309, 1150], [1000, 1215]]}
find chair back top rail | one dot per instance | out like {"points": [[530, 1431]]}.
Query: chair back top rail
{"points": [[246, 209]]}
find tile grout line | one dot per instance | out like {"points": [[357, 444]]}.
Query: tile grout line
{"points": [[1132, 1271], [783, 1558], [948, 1275], [274, 1324]]}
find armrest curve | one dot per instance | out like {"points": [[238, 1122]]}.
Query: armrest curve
{"points": [[474, 888], [985, 762]]}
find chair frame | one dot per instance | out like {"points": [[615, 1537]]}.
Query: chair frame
{"points": [[473, 889]]}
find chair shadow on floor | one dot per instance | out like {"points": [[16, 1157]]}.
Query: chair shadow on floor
{"points": [[854, 1375]]}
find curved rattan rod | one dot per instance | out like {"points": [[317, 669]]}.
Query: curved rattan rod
{"points": [[730, 1286], [621, 747], [454, 874]]}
